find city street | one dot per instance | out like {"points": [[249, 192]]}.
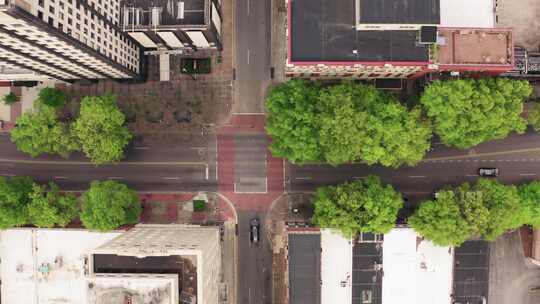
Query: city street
{"points": [[252, 55]]}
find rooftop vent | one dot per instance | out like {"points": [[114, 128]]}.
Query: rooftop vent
{"points": [[428, 34]]}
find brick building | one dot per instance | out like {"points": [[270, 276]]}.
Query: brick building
{"points": [[363, 39]]}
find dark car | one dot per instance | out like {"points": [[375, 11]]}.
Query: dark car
{"points": [[488, 172], [254, 230]]}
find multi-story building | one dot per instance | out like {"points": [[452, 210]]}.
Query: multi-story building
{"points": [[173, 24], [364, 39], [161, 264], [66, 40]]}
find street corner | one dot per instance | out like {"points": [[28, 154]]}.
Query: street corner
{"points": [[203, 208]]}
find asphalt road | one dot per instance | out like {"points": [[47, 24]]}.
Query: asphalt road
{"points": [[517, 157], [254, 263], [253, 48]]}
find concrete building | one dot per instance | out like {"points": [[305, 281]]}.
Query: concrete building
{"points": [[160, 264], [193, 252], [398, 267], [363, 39], [65, 40], [173, 24]]}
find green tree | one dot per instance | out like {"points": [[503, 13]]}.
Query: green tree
{"points": [[533, 117], [360, 206], [52, 97], [468, 112], [108, 205], [530, 203], [441, 221], [101, 130], [292, 121], [14, 199], [10, 99], [486, 209], [49, 208], [40, 131], [359, 122], [504, 206]]}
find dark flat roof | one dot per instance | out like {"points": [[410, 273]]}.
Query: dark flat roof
{"points": [[324, 30], [366, 281], [471, 272], [400, 11], [304, 268]]}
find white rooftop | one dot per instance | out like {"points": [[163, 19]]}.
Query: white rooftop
{"points": [[468, 13], [415, 271], [46, 266], [336, 266], [138, 288]]}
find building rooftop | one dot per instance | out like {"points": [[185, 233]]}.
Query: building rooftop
{"points": [[467, 13], [114, 289], [324, 31], [415, 270], [398, 11], [474, 46], [367, 271], [145, 13], [335, 277], [46, 266], [304, 258]]}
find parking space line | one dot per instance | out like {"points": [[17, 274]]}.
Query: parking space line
{"points": [[171, 178]]}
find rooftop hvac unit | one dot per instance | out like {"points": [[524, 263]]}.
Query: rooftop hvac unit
{"points": [[428, 34], [180, 14], [156, 16]]}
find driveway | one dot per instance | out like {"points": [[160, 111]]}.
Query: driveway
{"points": [[510, 278]]}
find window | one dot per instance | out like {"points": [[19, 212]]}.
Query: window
{"points": [[51, 9], [40, 14], [40, 3]]}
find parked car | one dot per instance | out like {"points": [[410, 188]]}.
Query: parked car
{"points": [[488, 172], [254, 230]]}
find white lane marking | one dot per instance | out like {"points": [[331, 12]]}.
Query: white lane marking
{"points": [[61, 177], [141, 148], [115, 177], [359, 177], [527, 174], [302, 178], [7, 174], [171, 178], [248, 56], [248, 7], [207, 172], [470, 175], [417, 176]]}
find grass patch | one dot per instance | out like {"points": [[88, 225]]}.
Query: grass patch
{"points": [[199, 205]]}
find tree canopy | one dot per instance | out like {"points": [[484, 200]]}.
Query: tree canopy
{"points": [[52, 97], [530, 201], [440, 220], [293, 122], [361, 206], [533, 116], [344, 123], [486, 209], [10, 99], [100, 129], [108, 205], [467, 112], [49, 208], [14, 200], [39, 131]]}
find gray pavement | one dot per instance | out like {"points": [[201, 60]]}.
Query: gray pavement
{"points": [[254, 263], [252, 21], [250, 163], [510, 278]]}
